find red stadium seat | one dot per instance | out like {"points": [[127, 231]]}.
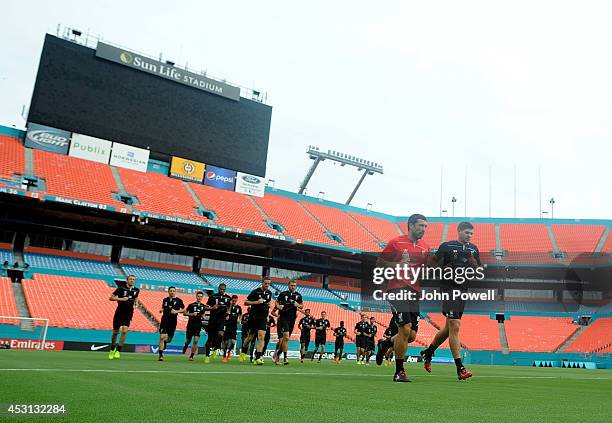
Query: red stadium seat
{"points": [[382, 229], [353, 235], [76, 303], [545, 334], [8, 307], [13, 158], [232, 209], [577, 238], [597, 337], [76, 178], [478, 332]]}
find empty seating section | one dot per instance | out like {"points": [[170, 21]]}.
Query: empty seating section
{"points": [[296, 222], [76, 303], [6, 255], [526, 333], [352, 296], [484, 238], [75, 178], [595, 337], [353, 235], [526, 243], [382, 229], [11, 157], [44, 261], [241, 284], [162, 275], [8, 307], [156, 193], [152, 301], [335, 314], [525, 237], [309, 291], [577, 238], [232, 209], [478, 331]]}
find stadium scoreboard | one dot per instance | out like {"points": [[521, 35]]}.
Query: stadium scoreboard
{"points": [[121, 96]]}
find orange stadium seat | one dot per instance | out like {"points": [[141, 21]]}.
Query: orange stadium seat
{"points": [[478, 332], [577, 238], [8, 307], [71, 177], [297, 223], [526, 243], [76, 303], [232, 209], [157, 193], [353, 235], [12, 154], [527, 333], [382, 229], [433, 234], [597, 337]]}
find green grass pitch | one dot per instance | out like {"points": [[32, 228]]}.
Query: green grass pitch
{"points": [[137, 388]]}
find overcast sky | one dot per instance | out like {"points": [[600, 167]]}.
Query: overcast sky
{"points": [[415, 86]]}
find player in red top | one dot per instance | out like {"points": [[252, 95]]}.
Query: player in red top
{"points": [[408, 250]]}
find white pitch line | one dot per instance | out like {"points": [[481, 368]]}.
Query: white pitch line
{"points": [[250, 372]]}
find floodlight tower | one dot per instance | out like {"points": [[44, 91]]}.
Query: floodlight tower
{"points": [[368, 167]]}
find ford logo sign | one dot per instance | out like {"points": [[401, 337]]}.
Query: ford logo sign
{"points": [[251, 179]]}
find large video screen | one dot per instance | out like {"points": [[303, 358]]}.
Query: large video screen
{"points": [[79, 92]]}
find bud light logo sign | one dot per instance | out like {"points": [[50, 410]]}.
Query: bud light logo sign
{"points": [[47, 138], [219, 177]]}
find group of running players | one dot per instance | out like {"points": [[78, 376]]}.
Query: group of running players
{"points": [[224, 313]]}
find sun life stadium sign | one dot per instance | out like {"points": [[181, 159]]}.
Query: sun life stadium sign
{"points": [[164, 70]]}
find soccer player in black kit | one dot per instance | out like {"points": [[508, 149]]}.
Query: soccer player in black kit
{"points": [[171, 307], [234, 313], [288, 303], [127, 298], [259, 300], [218, 304], [371, 332], [322, 325], [340, 334], [194, 311], [459, 253], [360, 338], [306, 324]]}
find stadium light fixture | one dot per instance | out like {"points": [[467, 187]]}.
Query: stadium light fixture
{"points": [[369, 207], [552, 208], [76, 33], [368, 167], [453, 200], [170, 63], [271, 183]]}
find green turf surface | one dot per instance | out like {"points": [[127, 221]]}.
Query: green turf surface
{"points": [[138, 388]]}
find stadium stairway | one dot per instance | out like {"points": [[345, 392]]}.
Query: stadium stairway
{"points": [[22, 306], [503, 338], [602, 241], [553, 241], [379, 241], [570, 339], [325, 229]]}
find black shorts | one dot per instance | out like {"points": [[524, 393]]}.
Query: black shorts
{"points": [[215, 325], [453, 309], [285, 324], [168, 327], [256, 325], [122, 318], [305, 338], [320, 339], [403, 318], [339, 344], [360, 341], [369, 344], [193, 329], [230, 332]]}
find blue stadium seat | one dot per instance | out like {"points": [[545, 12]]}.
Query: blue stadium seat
{"points": [[43, 261], [6, 255], [233, 284], [162, 275]]}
